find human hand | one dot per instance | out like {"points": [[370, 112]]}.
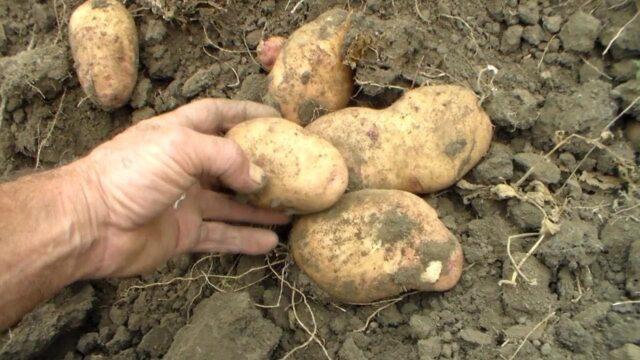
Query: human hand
{"points": [[147, 190]]}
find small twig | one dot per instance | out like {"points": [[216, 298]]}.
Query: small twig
{"points": [[296, 6], [82, 101], [626, 209], [546, 48], [3, 106], [43, 143], [626, 302], [575, 169], [246, 46], [596, 69], [610, 124], [473, 38], [359, 82], [388, 302], [606, 50], [312, 334], [281, 278], [370, 317], [419, 13], [237, 79], [531, 332], [515, 265], [37, 90], [615, 6], [209, 42]]}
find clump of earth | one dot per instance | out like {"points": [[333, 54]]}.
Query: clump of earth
{"points": [[560, 81]]}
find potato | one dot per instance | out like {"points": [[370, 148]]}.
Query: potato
{"points": [[268, 51], [374, 244], [104, 43], [424, 142], [309, 77], [305, 173]]}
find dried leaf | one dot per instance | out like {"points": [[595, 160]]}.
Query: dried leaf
{"points": [[465, 185], [604, 182], [504, 191], [548, 227]]}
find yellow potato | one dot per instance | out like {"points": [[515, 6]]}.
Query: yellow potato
{"points": [[305, 173], [104, 43], [309, 77], [374, 244], [424, 142]]}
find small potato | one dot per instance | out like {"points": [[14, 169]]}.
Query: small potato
{"points": [[375, 244], [309, 77], [424, 142], [268, 51], [104, 43], [305, 173]]}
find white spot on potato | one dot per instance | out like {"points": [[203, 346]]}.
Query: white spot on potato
{"points": [[432, 273]]}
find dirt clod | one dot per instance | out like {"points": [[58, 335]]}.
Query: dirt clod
{"points": [[626, 352], [576, 244], [573, 336], [226, 325], [47, 323], [511, 39], [541, 168], [580, 32], [155, 343]]}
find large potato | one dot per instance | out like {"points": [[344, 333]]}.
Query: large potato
{"points": [[305, 173], [104, 43], [375, 244], [309, 77], [424, 142]]}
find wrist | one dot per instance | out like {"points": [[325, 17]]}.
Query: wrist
{"points": [[81, 206]]}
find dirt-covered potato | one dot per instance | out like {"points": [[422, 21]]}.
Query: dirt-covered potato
{"points": [[104, 43], [424, 142], [375, 244], [309, 77], [305, 173]]}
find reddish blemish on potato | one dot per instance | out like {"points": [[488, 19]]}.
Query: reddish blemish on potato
{"points": [[268, 51]]}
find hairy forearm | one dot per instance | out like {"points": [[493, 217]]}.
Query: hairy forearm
{"points": [[45, 231]]}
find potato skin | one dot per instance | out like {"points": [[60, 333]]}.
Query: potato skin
{"points": [[309, 77], [375, 244], [268, 51], [424, 142], [104, 44], [305, 173]]}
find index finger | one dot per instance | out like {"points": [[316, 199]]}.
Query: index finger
{"points": [[211, 116]]}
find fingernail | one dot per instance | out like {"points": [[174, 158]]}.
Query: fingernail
{"points": [[257, 175]]}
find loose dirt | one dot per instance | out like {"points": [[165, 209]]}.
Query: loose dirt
{"points": [[563, 170]]}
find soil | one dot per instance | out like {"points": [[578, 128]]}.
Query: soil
{"points": [[538, 68]]}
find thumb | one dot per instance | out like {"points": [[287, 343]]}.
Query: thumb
{"points": [[222, 158]]}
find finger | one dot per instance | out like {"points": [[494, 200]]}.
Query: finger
{"points": [[221, 158], [221, 237], [211, 116], [222, 207]]}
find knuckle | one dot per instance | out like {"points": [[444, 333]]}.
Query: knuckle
{"points": [[175, 137], [231, 153]]}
